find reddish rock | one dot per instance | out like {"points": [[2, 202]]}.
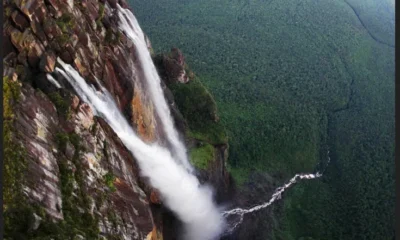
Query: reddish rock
{"points": [[38, 30], [27, 42], [48, 62], [51, 29], [37, 123], [123, 86], [19, 40], [34, 54], [35, 10], [92, 10], [117, 69], [86, 115], [74, 40], [35, 43], [55, 7], [109, 78], [98, 69], [75, 102], [154, 197], [20, 20], [79, 66]]}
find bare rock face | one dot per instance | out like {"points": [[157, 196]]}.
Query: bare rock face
{"points": [[77, 171], [36, 120], [98, 155], [155, 197], [173, 66], [48, 62], [35, 10], [81, 181], [51, 29]]}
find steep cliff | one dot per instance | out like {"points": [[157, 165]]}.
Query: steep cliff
{"points": [[67, 175]]}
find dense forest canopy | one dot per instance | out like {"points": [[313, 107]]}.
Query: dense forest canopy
{"points": [[292, 79]]}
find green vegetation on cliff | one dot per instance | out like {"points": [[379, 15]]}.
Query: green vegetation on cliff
{"points": [[291, 79], [60, 103], [199, 109], [14, 159], [20, 214], [197, 106], [14, 202], [202, 156], [75, 202]]}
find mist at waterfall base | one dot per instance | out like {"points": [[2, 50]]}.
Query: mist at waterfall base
{"points": [[180, 190]]}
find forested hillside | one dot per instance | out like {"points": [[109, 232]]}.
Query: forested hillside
{"points": [[292, 79]]}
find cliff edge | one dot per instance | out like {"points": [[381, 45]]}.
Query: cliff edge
{"points": [[67, 175]]}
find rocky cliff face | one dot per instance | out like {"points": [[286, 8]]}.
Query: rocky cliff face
{"points": [[67, 175]]}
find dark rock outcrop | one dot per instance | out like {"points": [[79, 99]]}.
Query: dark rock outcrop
{"points": [[173, 67]]}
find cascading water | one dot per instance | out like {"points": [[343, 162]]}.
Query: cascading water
{"points": [[275, 196], [130, 26], [180, 190], [168, 172]]}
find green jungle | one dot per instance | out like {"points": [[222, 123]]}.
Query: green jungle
{"points": [[293, 80]]}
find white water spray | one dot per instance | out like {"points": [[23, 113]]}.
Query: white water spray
{"points": [[276, 196], [130, 26], [180, 191]]}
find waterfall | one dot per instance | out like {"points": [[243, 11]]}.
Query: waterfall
{"points": [[130, 26], [168, 170], [180, 190], [275, 196]]}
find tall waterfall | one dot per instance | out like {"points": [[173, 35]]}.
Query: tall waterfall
{"points": [[130, 26], [169, 171], [180, 190]]}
